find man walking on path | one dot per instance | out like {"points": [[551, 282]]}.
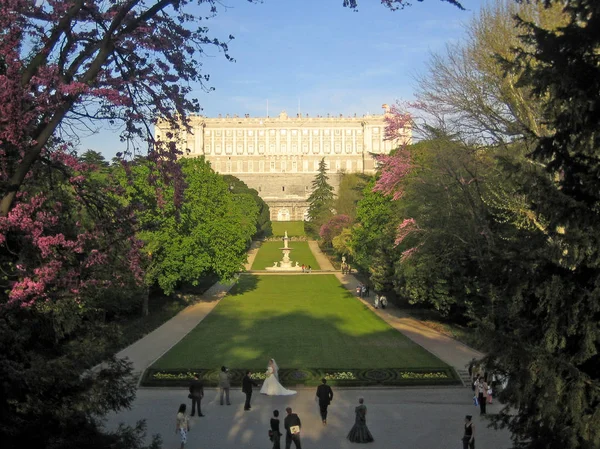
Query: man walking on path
{"points": [[247, 388], [224, 384], [196, 394], [325, 395], [292, 426]]}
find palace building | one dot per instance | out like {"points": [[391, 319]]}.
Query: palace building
{"points": [[279, 156]]}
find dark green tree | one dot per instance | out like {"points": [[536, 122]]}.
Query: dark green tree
{"points": [[543, 327], [349, 193], [263, 223], [208, 234], [95, 158], [320, 200]]}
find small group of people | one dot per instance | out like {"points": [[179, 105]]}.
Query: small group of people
{"points": [[380, 301], [271, 387], [306, 268], [363, 290], [346, 268], [482, 389]]}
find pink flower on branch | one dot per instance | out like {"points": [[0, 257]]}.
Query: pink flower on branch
{"points": [[398, 123], [404, 229], [393, 169]]}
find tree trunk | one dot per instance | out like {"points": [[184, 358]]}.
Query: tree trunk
{"points": [[145, 303]]}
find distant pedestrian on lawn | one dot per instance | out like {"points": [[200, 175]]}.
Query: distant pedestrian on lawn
{"points": [[276, 433], [224, 384], [468, 439], [247, 383], [360, 432], [292, 429], [182, 425], [196, 395], [325, 395]]}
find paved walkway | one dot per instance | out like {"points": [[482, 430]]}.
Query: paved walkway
{"points": [[149, 348], [403, 418]]}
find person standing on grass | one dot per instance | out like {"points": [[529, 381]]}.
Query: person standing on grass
{"points": [[182, 425], [196, 395], [247, 383], [224, 384], [292, 429], [325, 395], [468, 439], [276, 433]]}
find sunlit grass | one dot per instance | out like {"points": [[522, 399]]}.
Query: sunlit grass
{"points": [[293, 228], [303, 321], [270, 252]]}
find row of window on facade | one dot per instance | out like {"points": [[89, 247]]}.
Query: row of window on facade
{"points": [[316, 148], [282, 166], [293, 132]]}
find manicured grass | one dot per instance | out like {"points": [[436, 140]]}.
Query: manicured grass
{"points": [[270, 252], [303, 321], [293, 228]]}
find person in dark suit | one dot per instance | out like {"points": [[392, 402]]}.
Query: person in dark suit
{"points": [[247, 388], [276, 438], [196, 394], [292, 429], [325, 395]]}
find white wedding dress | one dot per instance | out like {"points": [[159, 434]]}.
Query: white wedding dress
{"points": [[272, 387]]}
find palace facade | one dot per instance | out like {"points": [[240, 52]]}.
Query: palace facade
{"points": [[279, 156]]}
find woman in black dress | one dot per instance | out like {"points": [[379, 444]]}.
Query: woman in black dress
{"points": [[360, 432]]}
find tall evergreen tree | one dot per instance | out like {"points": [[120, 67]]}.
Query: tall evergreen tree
{"points": [[321, 199], [543, 327]]}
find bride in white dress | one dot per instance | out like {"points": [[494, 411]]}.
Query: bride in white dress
{"points": [[271, 385]]}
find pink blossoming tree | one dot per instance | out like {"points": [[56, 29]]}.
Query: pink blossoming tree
{"points": [[66, 238], [333, 227]]}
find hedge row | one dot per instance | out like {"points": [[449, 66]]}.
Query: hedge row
{"points": [[311, 377]]}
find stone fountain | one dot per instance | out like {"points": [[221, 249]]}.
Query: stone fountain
{"points": [[285, 264]]}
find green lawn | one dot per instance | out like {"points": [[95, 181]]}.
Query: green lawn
{"points": [[270, 252], [303, 321], [293, 228]]}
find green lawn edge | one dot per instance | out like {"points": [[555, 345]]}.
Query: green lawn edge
{"points": [[270, 252], [311, 377], [293, 228]]}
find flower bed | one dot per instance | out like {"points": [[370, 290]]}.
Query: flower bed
{"points": [[311, 377]]}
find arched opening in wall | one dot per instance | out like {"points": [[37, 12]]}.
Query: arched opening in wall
{"points": [[283, 215]]}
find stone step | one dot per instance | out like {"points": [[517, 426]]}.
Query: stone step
{"points": [[464, 377]]}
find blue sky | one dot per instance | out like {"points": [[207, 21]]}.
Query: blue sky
{"points": [[317, 55]]}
